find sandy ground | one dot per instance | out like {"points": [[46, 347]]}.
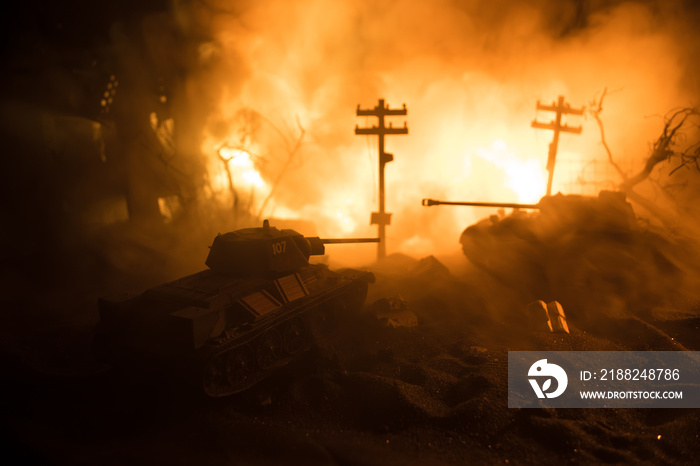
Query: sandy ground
{"points": [[366, 393]]}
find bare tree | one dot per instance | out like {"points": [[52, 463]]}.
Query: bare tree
{"points": [[227, 167], [594, 109], [248, 124], [292, 149], [666, 148]]}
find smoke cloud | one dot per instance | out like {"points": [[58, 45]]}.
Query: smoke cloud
{"points": [[272, 87], [470, 74]]}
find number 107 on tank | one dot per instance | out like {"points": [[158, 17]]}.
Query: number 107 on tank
{"points": [[279, 247]]}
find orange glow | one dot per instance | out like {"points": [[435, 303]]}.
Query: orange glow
{"points": [[470, 77], [246, 178], [236, 157]]}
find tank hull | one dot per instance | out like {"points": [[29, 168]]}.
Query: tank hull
{"points": [[224, 333], [589, 253]]}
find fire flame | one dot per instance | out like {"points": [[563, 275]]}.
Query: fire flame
{"points": [[241, 161], [526, 177], [232, 168], [470, 78]]}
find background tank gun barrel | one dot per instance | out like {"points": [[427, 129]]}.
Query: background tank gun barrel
{"points": [[348, 240], [432, 202]]}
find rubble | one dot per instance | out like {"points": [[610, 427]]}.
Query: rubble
{"points": [[393, 312], [430, 268]]}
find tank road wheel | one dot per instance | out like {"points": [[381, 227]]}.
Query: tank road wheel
{"points": [[215, 383], [356, 297], [239, 366], [269, 348], [296, 337]]}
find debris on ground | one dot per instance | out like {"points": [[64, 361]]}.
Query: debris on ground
{"points": [[393, 312]]}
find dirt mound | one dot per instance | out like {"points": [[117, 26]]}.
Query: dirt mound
{"points": [[367, 393]]}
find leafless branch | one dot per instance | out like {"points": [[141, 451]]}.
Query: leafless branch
{"points": [[663, 148], [291, 154], [595, 109], [229, 176]]}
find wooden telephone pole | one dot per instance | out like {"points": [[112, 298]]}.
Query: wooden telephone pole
{"points": [[381, 218], [561, 109]]}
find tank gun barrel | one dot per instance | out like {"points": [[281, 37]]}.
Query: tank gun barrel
{"points": [[348, 240], [514, 205]]}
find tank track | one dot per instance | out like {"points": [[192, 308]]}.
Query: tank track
{"points": [[239, 360]]}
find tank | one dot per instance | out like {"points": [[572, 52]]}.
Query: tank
{"points": [[572, 248], [541, 230], [236, 323]]}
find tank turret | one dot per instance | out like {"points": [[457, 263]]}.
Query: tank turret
{"points": [[267, 251], [234, 324]]}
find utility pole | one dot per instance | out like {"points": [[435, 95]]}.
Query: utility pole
{"points": [[561, 109], [381, 218]]}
